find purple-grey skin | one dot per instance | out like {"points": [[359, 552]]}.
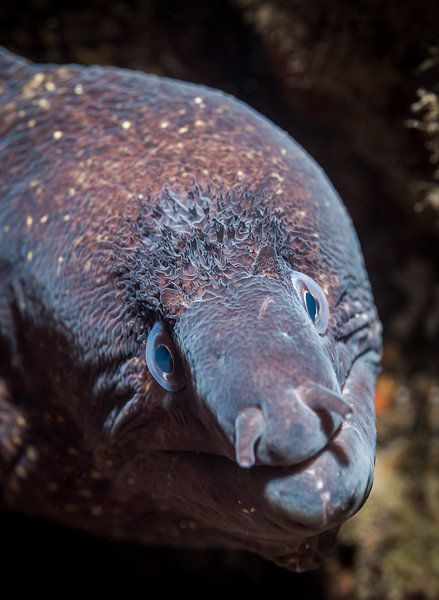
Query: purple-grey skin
{"points": [[188, 339]]}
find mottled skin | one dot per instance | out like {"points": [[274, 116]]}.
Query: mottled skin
{"points": [[127, 199]]}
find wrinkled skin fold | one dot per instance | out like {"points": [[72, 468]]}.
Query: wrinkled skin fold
{"points": [[131, 202]]}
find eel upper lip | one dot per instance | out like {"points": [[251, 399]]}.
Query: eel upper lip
{"points": [[280, 470], [203, 454]]}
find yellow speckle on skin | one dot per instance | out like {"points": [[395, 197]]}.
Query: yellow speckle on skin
{"points": [[79, 89], [16, 439], [199, 123], [50, 86], [32, 453], [29, 221], [21, 421], [182, 111], [63, 72], [34, 183], [283, 151], [77, 240], [276, 176], [29, 88], [279, 191], [198, 100], [126, 124], [21, 472], [66, 217], [87, 266], [31, 123], [29, 256], [240, 174], [60, 264], [37, 79], [44, 219], [43, 103], [164, 124], [57, 135]]}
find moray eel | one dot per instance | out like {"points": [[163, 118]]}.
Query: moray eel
{"points": [[188, 338]]}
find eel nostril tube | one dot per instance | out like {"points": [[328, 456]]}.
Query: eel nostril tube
{"points": [[249, 426], [318, 397]]}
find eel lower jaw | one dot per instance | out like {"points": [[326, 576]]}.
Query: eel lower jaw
{"points": [[288, 509]]}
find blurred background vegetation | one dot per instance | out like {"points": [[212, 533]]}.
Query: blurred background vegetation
{"points": [[357, 84]]}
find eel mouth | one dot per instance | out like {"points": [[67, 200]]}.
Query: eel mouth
{"points": [[266, 503], [225, 455]]}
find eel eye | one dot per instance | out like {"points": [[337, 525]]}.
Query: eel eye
{"points": [[162, 359], [314, 300], [312, 305]]}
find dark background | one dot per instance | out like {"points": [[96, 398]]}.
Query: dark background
{"points": [[357, 84]]}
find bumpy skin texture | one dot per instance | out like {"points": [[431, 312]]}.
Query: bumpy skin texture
{"points": [[128, 199]]}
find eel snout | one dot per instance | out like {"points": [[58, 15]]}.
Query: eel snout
{"points": [[283, 436]]}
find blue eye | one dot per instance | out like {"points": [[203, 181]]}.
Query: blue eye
{"points": [[162, 359], [314, 300], [312, 306]]}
